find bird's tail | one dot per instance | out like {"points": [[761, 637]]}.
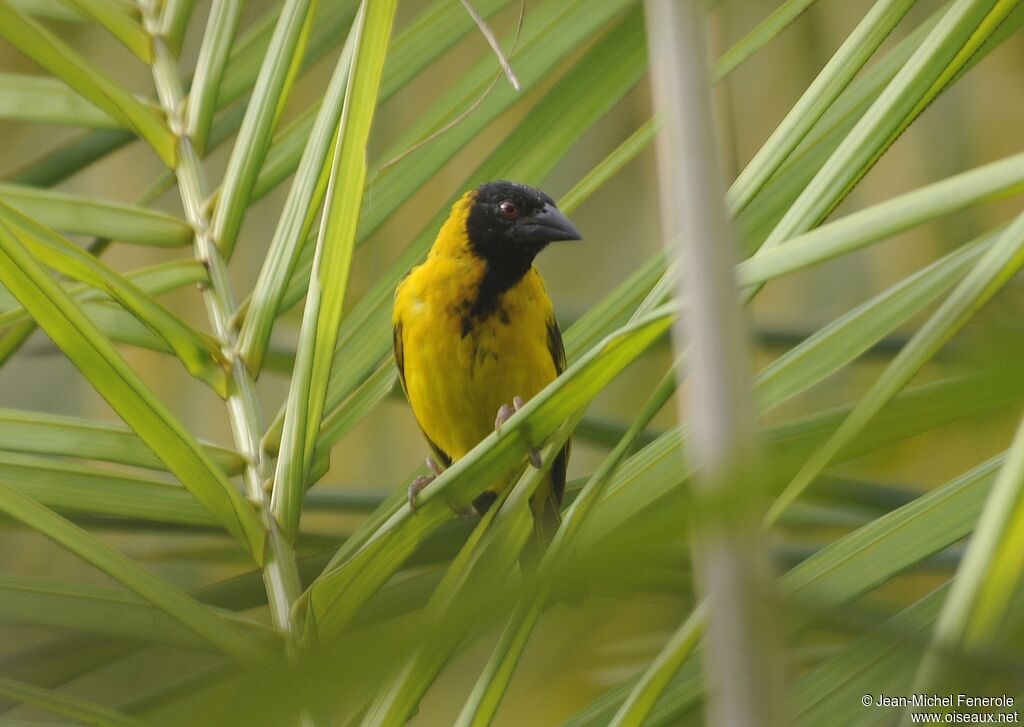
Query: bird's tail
{"points": [[546, 519], [546, 508], [547, 513]]}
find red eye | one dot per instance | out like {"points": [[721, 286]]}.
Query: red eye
{"points": [[508, 210]]}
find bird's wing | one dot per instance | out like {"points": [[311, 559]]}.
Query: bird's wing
{"points": [[555, 345], [443, 457], [399, 354], [547, 503], [557, 349]]}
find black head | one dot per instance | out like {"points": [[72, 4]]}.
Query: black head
{"points": [[509, 223]]}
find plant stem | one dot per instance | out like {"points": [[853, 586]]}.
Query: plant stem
{"points": [[729, 553], [280, 575]]}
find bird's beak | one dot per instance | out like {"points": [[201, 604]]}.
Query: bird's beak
{"points": [[549, 225]]}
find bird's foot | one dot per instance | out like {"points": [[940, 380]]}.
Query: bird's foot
{"points": [[505, 413], [422, 481], [417, 487]]}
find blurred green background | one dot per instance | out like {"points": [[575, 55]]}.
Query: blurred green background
{"points": [[571, 659]]}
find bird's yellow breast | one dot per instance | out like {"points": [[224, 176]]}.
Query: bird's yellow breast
{"points": [[459, 368]]}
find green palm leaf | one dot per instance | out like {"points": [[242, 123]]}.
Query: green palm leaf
{"points": [[48, 101], [35, 433], [996, 266], [126, 28], [110, 612], [89, 216], [397, 604], [92, 353], [53, 54], [157, 591], [329, 281], [200, 354], [271, 89], [67, 705], [334, 597]]}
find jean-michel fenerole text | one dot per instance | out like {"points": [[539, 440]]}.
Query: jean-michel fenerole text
{"points": [[943, 700]]}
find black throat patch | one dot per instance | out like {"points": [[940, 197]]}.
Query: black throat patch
{"points": [[497, 240], [497, 278]]}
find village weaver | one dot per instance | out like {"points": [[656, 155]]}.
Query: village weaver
{"points": [[475, 333]]}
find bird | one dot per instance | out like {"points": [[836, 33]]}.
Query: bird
{"points": [[475, 333]]}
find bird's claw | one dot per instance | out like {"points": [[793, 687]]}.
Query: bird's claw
{"points": [[423, 480], [417, 487], [505, 413], [434, 467]]}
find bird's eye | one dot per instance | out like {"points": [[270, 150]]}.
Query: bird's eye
{"points": [[508, 210]]}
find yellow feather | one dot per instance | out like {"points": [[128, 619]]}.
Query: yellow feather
{"points": [[457, 379]]}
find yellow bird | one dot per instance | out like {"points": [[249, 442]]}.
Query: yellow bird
{"points": [[475, 333]]}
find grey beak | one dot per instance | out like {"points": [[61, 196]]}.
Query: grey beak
{"points": [[549, 225]]}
